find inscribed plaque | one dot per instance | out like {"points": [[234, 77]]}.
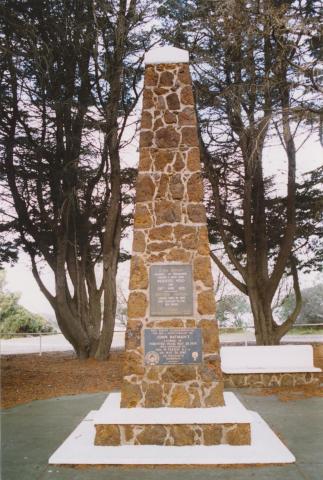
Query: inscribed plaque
{"points": [[172, 346], [171, 290]]}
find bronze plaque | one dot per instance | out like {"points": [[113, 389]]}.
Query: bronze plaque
{"points": [[171, 290], [173, 346]]}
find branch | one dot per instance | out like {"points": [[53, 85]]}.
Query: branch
{"points": [[282, 329], [241, 286]]}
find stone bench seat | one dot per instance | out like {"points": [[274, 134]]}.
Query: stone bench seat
{"points": [[268, 359]]}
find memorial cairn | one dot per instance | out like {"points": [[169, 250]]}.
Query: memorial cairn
{"points": [[172, 343], [172, 408]]}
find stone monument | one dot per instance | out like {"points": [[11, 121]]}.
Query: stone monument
{"points": [[172, 392]]}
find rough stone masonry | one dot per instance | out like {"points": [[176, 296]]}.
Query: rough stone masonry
{"points": [[171, 251], [170, 228]]}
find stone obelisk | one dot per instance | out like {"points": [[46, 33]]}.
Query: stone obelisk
{"points": [[172, 393], [171, 303]]}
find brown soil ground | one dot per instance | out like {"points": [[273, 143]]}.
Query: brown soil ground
{"points": [[32, 377]]}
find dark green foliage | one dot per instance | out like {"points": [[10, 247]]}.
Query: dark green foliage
{"points": [[15, 318]]}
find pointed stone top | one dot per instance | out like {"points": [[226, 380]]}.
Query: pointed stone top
{"points": [[166, 55]]}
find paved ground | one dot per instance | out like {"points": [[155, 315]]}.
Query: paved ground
{"points": [[57, 343], [31, 433]]}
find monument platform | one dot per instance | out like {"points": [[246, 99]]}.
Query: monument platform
{"points": [[172, 408], [80, 449]]}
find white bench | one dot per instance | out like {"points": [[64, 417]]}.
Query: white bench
{"points": [[268, 359]]}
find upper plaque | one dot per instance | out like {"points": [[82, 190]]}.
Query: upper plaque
{"points": [[171, 290]]}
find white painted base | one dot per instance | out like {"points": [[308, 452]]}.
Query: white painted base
{"points": [[79, 448], [111, 413]]}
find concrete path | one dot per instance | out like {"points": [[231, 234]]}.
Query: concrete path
{"points": [[57, 343], [32, 432]]}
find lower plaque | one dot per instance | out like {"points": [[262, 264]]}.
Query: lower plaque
{"points": [[172, 346]]}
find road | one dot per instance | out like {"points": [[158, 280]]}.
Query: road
{"points": [[57, 343]]}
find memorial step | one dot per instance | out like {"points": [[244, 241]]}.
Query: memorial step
{"points": [[229, 424], [265, 447]]}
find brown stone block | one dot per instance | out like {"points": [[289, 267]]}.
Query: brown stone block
{"points": [[178, 255], [196, 213], [238, 434], [189, 136], [215, 396], [184, 75], [210, 334], [184, 230], [187, 96], [142, 217], [133, 363], [180, 397], [190, 242], [139, 242], [162, 186], [137, 305], [182, 434], [212, 434], [145, 188], [190, 323], [146, 139], [207, 374], [159, 246], [179, 374], [161, 233], [151, 76], [146, 120], [206, 303], [133, 334], [152, 435], [144, 160], [175, 322], [160, 91], [107, 435], [161, 104], [130, 395], [154, 396], [163, 158], [147, 100], [203, 247], [170, 117], [202, 271], [167, 137], [176, 187], [193, 160], [158, 124], [167, 212], [166, 66], [173, 101], [156, 258], [166, 79], [186, 117], [152, 373], [128, 433], [138, 274], [195, 188], [179, 163]]}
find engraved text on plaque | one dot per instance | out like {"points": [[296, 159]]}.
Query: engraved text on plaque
{"points": [[171, 346], [171, 290]]}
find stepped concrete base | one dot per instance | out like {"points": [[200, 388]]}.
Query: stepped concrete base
{"points": [[229, 424], [265, 447]]}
